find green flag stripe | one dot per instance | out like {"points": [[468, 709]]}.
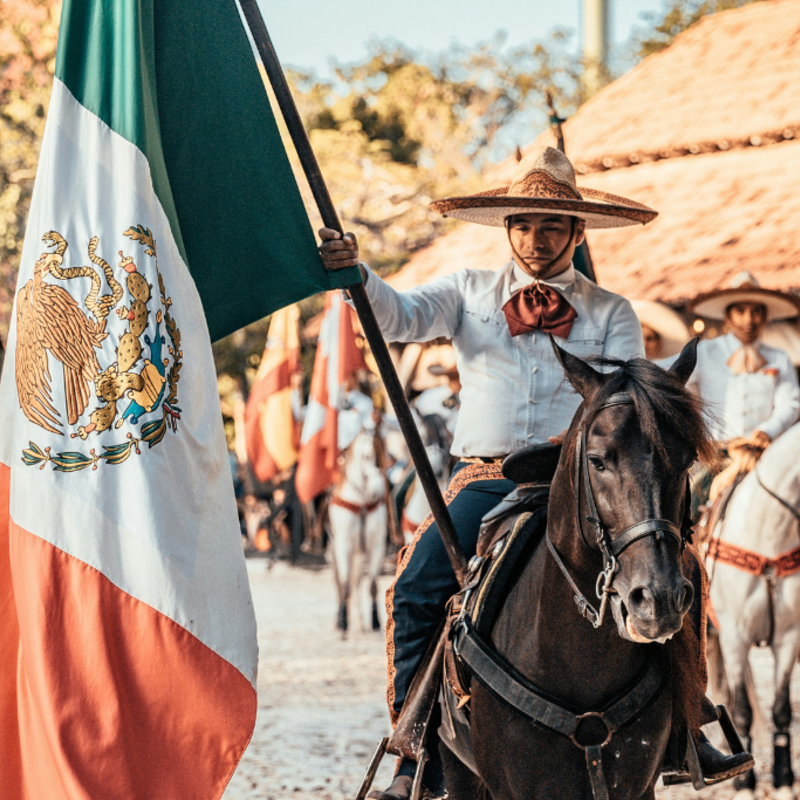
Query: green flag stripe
{"points": [[107, 63], [218, 164]]}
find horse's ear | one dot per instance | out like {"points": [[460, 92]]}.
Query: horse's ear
{"points": [[585, 379], [685, 363]]}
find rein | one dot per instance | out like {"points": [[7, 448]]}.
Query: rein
{"points": [[790, 508], [611, 549]]}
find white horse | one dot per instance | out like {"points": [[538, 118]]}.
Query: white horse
{"points": [[358, 526], [754, 568]]}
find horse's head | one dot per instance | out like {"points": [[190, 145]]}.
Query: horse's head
{"points": [[626, 461]]}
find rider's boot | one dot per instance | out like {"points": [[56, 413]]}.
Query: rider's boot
{"points": [[715, 766], [432, 778], [398, 789]]}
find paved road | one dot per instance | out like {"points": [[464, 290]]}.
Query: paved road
{"points": [[321, 707]]}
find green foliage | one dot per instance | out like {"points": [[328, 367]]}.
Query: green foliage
{"points": [[677, 16]]}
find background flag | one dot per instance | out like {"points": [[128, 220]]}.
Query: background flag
{"points": [[163, 199], [271, 432], [338, 357]]}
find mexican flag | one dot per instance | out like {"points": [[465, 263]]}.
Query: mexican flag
{"points": [[165, 215]]}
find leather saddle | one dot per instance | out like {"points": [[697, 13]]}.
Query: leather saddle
{"points": [[536, 463]]}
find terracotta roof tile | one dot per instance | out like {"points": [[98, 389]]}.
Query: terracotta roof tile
{"points": [[731, 77]]}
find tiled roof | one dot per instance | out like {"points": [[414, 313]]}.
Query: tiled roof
{"points": [[728, 90]]}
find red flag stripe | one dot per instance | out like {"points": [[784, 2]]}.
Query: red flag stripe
{"points": [[110, 693]]}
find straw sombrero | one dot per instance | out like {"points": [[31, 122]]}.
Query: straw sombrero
{"points": [[545, 181], [744, 288], [666, 323]]}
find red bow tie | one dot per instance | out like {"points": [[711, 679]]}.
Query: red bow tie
{"points": [[539, 307]]}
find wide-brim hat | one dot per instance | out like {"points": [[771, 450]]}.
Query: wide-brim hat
{"points": [[744, 288], [666, 323], [544, 181]]}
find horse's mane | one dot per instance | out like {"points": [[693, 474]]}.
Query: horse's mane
{"points": [[664, 406]]}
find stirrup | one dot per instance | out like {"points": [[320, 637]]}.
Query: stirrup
{"points": [[694, 773], [372, 770]]}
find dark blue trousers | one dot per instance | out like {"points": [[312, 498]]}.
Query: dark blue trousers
{"points": [[426, 581]]}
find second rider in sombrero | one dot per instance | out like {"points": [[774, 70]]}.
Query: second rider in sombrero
{"points": [[513, 388]]}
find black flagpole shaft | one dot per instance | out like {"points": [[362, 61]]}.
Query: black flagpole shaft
{"points": [[358, 293]]}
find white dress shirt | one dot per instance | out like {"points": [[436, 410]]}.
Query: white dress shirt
{"points": [[514, 392], [767, 400]]}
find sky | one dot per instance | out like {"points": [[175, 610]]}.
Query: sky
{"points": [[340, 29]]}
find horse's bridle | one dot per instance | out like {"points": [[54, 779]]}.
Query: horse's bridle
{"points": [[611, 549]]}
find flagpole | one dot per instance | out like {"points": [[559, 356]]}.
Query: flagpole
{"points": [[372, 332]]}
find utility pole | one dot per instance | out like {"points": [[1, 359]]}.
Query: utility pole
{"points": [[595, 45]]}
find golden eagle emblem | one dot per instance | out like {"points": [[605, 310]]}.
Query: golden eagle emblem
{"points": [[54, 329]]}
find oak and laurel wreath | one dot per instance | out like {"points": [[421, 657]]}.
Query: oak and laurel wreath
{"points": [[152, 432]]}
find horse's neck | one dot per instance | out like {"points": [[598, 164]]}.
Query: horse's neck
{"points": [[540, 631], [756, 520], [359, 465]]}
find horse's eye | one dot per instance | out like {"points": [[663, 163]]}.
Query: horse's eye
{"points": [[597, 463]]}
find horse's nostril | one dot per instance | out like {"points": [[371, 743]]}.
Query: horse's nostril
{"points": [[640, 601], [684, 597]]}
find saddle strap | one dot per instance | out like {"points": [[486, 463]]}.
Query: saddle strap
{"points": [[594, 766], [354, 507], [790, 508], [503, 681]]}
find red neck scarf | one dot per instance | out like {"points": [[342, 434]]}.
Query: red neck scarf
{"points": [[538, 307]]}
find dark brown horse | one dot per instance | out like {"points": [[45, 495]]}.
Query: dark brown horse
{"points": [[633, 440]]}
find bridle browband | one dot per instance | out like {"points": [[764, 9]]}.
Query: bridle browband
{"points": [[611, 549]]}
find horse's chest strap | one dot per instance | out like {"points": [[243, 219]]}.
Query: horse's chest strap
{"points": [[354, 507], [590, 731], [746, 560], [503, 681]]}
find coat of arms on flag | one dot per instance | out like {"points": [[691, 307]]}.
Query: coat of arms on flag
{"points": [[54, 326]]}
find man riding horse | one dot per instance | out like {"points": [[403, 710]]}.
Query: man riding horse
{"points": [[749, 387], [514, 391]]}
